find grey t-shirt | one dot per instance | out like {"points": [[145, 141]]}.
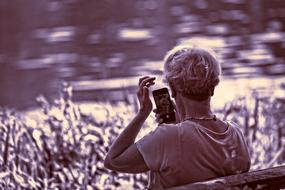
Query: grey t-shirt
{"points": [[188, 152]]}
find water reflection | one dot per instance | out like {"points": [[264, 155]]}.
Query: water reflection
{"points": [[129, 34], [19, 86], [110, 48]]}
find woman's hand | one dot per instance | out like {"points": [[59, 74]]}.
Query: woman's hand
{"points": [[143, 95], [158, 116], [123, 155]]}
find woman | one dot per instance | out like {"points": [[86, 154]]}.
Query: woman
{"points": [[198, 146]]}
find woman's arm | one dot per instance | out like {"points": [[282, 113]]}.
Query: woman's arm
{"points": [[123, 155]]}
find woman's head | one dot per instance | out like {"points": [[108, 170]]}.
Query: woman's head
{"points": [[193, 71]]}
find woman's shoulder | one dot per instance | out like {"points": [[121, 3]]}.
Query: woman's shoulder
{"points": [[216, 127], [168, 126], [234, 125], [238, 128], [167, 129]]}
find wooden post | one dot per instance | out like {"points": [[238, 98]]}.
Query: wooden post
{"points": [[269, 179]]}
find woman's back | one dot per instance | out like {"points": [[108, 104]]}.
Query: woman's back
{"points": [[189, 152], [178, 154]]}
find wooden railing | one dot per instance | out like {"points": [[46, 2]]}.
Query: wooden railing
{"points": [[266, 179]]}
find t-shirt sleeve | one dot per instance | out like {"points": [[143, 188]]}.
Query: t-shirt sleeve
{"points": [[243, 146], [154, 146]]}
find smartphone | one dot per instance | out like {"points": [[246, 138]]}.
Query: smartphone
{"points": [[164, 105]]}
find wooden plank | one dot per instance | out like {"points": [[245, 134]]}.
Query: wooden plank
{"points": [[271, 178]]}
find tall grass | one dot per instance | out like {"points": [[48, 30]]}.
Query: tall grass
{"points": [[64, 146]]}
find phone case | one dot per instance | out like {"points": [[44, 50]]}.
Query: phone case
{"points": [[164, 105]]}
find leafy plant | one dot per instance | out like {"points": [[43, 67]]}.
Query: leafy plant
{"points": [[63, 147]]}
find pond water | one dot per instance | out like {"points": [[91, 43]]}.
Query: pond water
{"points": [[103, 60], [23, 86]]}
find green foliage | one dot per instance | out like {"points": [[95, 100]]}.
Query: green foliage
{"points": [[64, 146], [262, 120], [63, 150]]}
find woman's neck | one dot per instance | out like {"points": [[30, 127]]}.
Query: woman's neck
{"points": [[190, 108]]}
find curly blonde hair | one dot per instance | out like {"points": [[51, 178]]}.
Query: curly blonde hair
{"points": [[192, 70]]}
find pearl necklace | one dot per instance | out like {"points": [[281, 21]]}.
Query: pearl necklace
{"points": [[213, 117]]}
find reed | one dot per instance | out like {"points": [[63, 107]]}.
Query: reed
{"points": [[65, 146]]}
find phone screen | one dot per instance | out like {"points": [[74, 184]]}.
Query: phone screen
{"points": [[164, 105]]}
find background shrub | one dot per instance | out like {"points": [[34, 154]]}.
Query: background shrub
{"points": [[62, 145]]}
